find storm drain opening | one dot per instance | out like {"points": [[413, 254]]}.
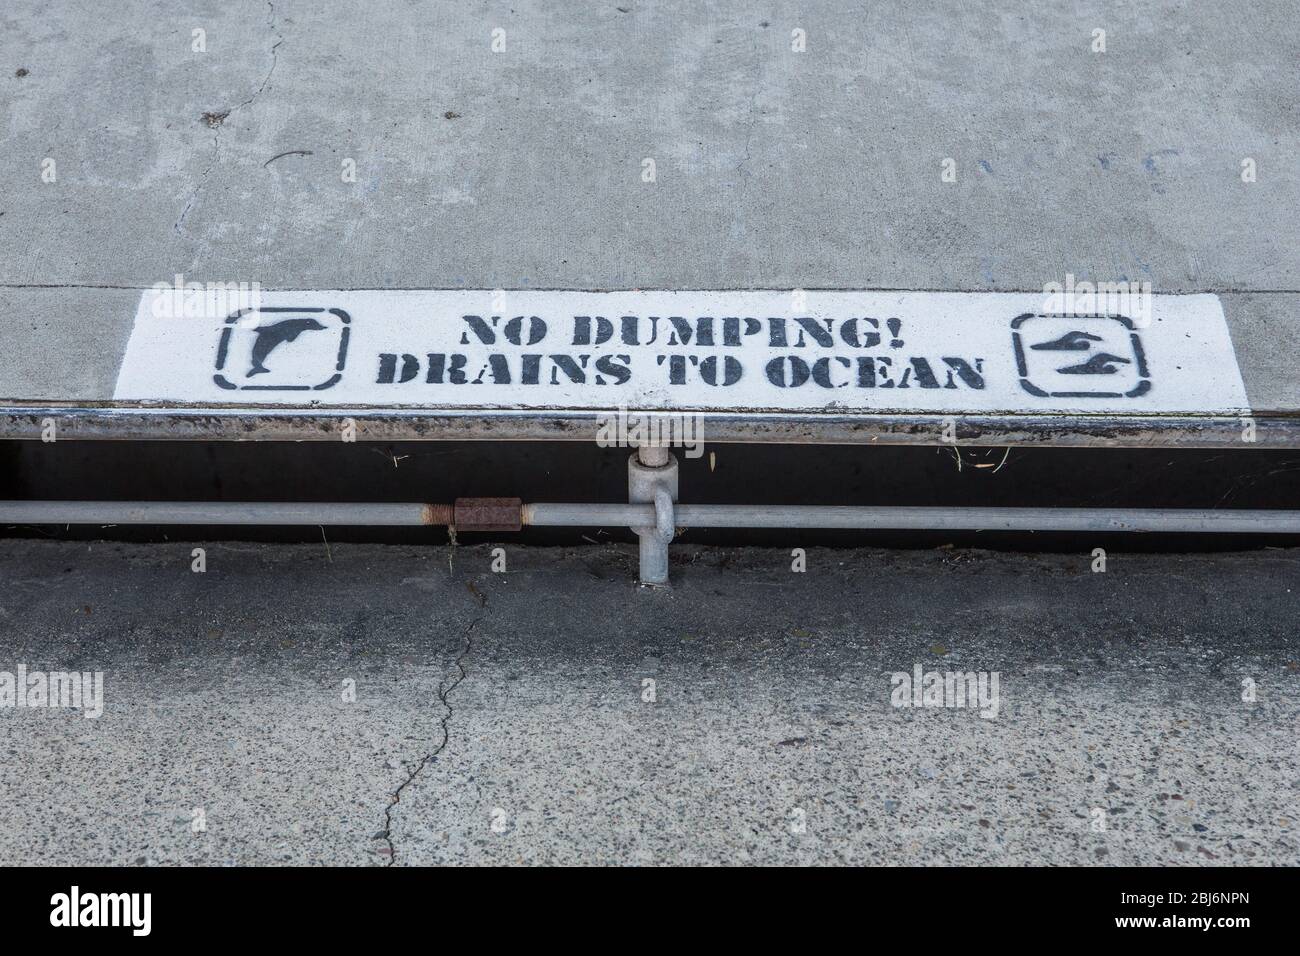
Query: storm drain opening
{"points": [[577, 493]]}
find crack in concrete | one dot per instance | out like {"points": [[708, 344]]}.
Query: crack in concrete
{"points": [[198, 187], [745, 175], [275, 59], [222, 117], [444, 691]]}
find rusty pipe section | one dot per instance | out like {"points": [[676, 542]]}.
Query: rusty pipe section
{"points": [[487, 514], [441, 515]]}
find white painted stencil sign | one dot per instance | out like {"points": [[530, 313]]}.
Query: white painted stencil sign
{"points": [[842, 352]]}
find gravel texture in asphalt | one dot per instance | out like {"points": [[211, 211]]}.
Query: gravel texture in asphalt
{"points": [[557, 713]]}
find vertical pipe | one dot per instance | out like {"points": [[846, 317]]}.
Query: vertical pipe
{"points": [[653, 456], [644, 483]]}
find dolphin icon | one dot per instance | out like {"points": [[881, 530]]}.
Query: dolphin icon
{"points": [[1103, 363], [270, 337]]}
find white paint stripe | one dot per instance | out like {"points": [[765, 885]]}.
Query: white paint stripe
{"points": [[915, 352]]}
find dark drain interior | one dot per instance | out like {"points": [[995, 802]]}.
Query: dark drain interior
{"points": [[724, 474]]}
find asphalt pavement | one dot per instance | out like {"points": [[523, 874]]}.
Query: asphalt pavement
{"points": [[376, 705]]}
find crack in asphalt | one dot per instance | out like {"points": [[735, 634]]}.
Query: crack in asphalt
{"points": [[223, 117], [444, 691]]}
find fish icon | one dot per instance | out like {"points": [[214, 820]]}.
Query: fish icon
{"points": [[270, 337]]}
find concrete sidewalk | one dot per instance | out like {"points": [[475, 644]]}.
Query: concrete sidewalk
{"points": [[511, 711], [775, 168]]}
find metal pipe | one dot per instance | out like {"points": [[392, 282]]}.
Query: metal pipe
{"points": [[548, 514], [222, 513], [653, 456], [652, 480], [921, 519]]}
